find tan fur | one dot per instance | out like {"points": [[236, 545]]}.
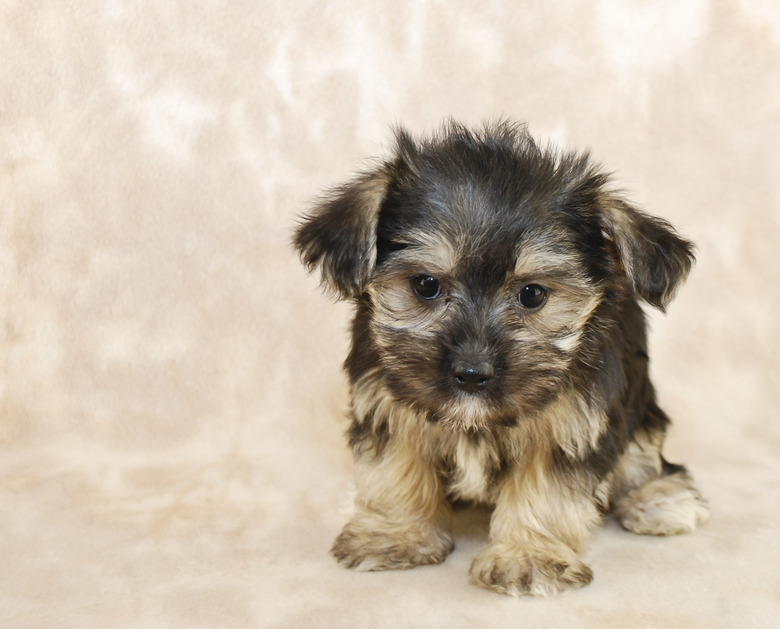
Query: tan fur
{"points": [[535, 258], [470, 482], [574, 299], [668, 505], [542, 518], [575, 425], [639, 464], [540, 523], [648, 502], [440, 254], [528, 565], [401, 517], [397, 308]]}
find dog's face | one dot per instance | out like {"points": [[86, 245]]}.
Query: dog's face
{"points": [[492, 269]]}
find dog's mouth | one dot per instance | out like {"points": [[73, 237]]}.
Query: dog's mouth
{"points": [[472, 424], [468, 412]]}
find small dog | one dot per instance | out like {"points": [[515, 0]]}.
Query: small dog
{"points": [[499, 355]]}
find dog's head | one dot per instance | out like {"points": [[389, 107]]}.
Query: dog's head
{"points": [[491, 266]]}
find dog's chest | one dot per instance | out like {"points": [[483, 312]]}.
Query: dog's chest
{"points": [[474, 465]]}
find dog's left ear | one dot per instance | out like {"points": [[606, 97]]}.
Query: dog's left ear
{"points": [[339, 234], [654, 257]]}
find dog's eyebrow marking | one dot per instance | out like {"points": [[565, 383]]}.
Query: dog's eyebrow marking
{"points": [[540, 257], [430, 251]]}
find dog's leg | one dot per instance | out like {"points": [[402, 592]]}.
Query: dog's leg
{"points": [[543, 518], [653, 497], [401, 517]]}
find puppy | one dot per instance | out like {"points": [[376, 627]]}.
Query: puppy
{"points": [[499, 355]]}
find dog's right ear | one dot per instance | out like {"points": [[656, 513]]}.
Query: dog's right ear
{"points": [[339, 234]]}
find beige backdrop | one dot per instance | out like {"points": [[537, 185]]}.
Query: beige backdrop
{"points": [[171, 401]]}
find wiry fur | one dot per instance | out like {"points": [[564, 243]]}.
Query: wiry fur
{"points": [[560, 423]]}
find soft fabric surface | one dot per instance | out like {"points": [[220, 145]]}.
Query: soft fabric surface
{"points": [[172, 402]]}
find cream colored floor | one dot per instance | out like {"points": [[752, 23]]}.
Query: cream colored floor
{"points": [[171, 450]]}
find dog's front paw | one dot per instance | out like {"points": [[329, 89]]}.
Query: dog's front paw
{"points": [[510, 569], [387, 548]]}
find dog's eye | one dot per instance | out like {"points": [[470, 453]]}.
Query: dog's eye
{"points": [[532, 296], [426, 286]]}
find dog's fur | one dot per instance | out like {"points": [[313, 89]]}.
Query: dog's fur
{"points": [[499, 355]]}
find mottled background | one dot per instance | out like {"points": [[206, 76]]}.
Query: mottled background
{"points": [[171, 405]]}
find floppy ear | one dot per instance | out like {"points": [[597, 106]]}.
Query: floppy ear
{"points": [[339, 234], [654, 257]]}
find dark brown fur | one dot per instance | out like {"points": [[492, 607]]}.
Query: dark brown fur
{"points": [[499, 354]]}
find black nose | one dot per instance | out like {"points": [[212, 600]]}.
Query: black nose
{"points": [[472, 376]]}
